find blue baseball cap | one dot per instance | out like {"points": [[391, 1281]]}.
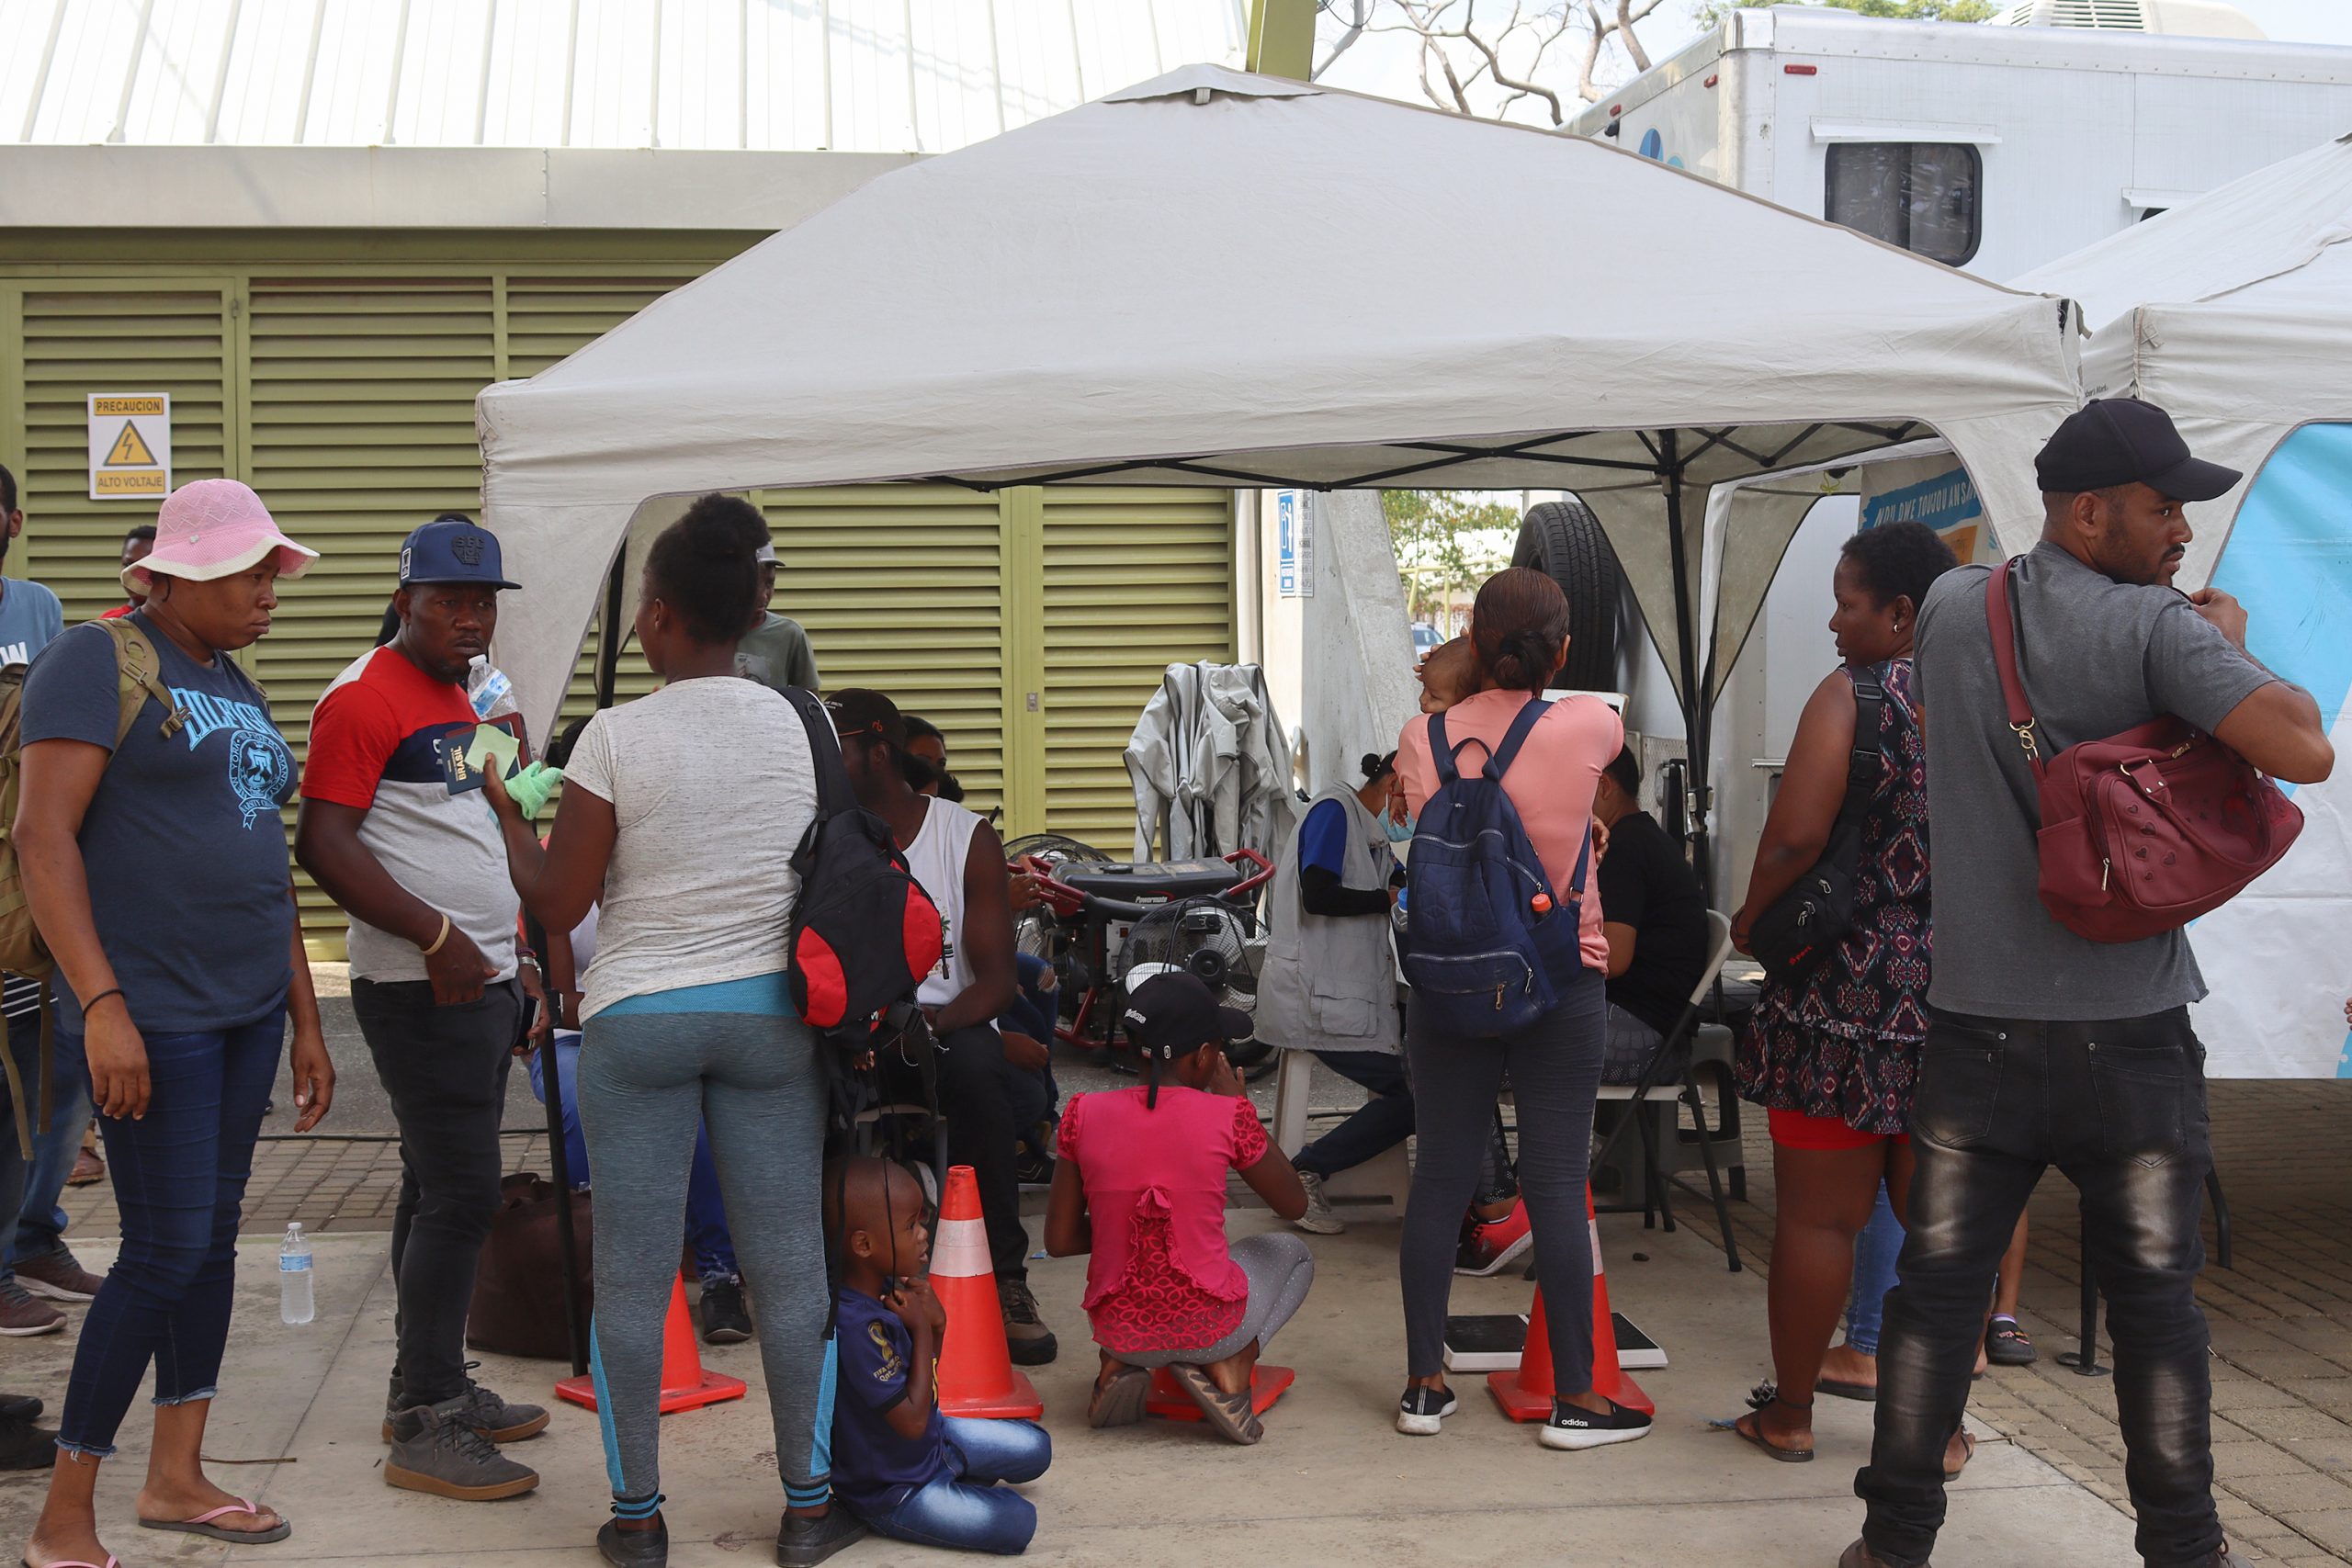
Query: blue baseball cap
{"points": [[452, 549]]}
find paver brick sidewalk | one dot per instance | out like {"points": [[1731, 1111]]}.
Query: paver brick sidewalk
{"points": [[2281, 1321]]}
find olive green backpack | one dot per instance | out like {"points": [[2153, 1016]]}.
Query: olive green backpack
{"points": [[22, 951]]}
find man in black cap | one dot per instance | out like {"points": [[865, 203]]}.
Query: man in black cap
{"points": [[2046, 1048]]}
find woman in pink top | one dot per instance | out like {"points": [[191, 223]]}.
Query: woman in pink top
{"points": [[1141, 1185], [1519, 628]]}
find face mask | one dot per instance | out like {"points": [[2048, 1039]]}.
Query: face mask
{"points": [[1401, 832]]}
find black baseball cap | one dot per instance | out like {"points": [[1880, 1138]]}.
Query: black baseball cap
{"points": [[1169, 1015], [858, 710], [2122, 440], [452, 548]]}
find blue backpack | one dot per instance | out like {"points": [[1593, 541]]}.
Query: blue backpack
{"points": [[1487, 946]]}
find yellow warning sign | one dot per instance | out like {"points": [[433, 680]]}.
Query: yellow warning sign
{"points": [[131, 445], [129, 451]]}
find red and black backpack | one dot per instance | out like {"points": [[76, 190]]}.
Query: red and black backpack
{"points": [[863, 931]]}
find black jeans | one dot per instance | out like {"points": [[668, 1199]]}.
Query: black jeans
{"points": [[2119, 1105], [981, 1131], [443, 1069]]}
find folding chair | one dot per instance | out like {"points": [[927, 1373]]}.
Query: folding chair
{"points": [[1647, 1091]]}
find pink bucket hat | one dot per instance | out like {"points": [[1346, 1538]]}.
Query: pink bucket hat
{"points": [[210, 528]]}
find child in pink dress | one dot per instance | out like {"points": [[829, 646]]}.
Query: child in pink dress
{"points": [[1141, 1185]]}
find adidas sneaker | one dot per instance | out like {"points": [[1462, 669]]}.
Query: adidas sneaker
{"points": [[1572, 1427]]}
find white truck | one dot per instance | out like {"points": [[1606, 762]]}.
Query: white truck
{"points": [[1992, 148]]}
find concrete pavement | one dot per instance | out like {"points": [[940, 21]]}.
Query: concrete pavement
{"points": [[1331, 1485]]}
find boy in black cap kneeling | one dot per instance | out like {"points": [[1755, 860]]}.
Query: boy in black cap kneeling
{"points": [[1141, 1186]]}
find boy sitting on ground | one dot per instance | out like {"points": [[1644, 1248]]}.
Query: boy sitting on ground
{"points": [[899, 1466]]}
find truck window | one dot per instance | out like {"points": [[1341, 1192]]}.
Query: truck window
{"points": [[1921, 195]]}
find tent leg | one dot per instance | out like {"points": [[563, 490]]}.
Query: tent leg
{"points": [[609, 645], [1697, 711]]}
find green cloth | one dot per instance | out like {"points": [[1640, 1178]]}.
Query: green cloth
{"points": [[776, 654], [530, 788]]}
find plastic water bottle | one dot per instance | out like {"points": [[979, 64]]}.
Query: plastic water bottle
{"points": [[294, 1303], [487, 687]]}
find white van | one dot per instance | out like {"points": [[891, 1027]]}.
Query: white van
{"points": [[1991, 148]]}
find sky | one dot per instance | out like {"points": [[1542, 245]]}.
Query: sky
{"points": [[1387, 63]]}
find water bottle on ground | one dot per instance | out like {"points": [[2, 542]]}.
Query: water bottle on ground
{"points": [[294, 1300], [489, 691]]}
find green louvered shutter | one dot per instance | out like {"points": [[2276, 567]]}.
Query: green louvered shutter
{"points": [[901, 590], [362, 394], [549, 318], [78, 342], [1136, 581]]}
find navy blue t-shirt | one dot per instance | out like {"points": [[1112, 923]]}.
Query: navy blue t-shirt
{"points": [[183, 844], [874, 1467], [1323, 838]]}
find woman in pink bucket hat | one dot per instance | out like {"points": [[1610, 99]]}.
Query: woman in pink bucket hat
{"points": [[154, 862]]}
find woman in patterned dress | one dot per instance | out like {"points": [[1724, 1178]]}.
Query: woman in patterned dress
{"points": [[1833, 1056]]}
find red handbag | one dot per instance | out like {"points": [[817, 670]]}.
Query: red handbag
{"points": [[2144, 831]]}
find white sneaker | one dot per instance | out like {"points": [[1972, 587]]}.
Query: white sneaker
{"points": [[1318, 1220]]}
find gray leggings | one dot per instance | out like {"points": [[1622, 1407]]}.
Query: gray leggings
{"points": [[1554, 1067], [1280, 1269], [645, 1078]]}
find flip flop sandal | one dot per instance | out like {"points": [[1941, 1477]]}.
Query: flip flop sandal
{"points": [[1229, 1414], [202, 1524], [1120, 1401], [1749, 1428], [1838, 1388], [1967, 1452], [71, 1563]]}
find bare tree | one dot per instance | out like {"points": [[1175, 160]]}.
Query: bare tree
{"points": [[1482, 60]]}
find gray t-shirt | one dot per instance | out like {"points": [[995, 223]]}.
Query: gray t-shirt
{"points": [[712, 786], [776, 654], [2097, 657], [31, 618]]}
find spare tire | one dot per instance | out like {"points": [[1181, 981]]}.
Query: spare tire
{"points": [[1563, 540]]}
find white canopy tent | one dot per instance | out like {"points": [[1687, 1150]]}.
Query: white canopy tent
{"points": [[1197, 279], [2234, 313]]}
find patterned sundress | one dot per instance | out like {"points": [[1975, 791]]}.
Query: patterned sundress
{"points": [[1844, 1040]]}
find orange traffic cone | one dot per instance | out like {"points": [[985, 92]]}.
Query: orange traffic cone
{"points": [[1526, 1394], [975, 1375], [684, 1385]]}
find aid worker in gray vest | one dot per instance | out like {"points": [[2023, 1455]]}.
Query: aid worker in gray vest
{"points": [[1329, 981]]}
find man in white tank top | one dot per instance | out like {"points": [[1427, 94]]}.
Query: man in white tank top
{"points": [[959, 860]]}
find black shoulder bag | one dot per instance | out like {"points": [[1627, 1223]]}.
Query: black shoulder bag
{"points": [[1797, 932]]}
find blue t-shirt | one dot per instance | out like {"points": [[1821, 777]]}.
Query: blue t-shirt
{"points": [[1323, 838], [874, 1467], [185, 849], [31, 618]]}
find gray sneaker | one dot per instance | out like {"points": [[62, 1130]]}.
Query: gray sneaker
{"points": [[1318, 1220], [488, 1413], [437, 1449], [1026, 1339]]}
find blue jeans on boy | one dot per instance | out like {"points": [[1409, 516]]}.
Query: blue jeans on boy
{"points": [[1875, 1251], [966, 1508], [40, 1222], [706, 1233], [1034, 1096], [179, 1179]]}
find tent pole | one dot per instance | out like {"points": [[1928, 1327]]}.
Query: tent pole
{"points": [[1696, 709], [609, 645]]}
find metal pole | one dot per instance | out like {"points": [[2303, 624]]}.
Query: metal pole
{"points": [[1698, 709], [609, 645]]}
